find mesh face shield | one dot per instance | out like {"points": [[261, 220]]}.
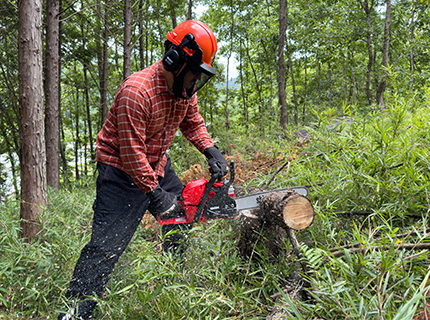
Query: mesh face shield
{"points": [[202, 74]]}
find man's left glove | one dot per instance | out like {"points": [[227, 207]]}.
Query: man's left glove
{"points": [[163, 204], [216, 161]]}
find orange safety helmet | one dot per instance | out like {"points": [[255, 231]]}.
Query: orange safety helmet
{"points": [[203, 36]]}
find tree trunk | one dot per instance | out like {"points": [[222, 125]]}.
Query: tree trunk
{"points": [[89, 122], [319, 82], [127, 39], [381, 87], [411, 53], [258, 87], [52, 108], [227, 91], [368, 10], [32, 133], [330, 95], [293, 84], [77, 144], [61, 146], [141, 38], [278, 215], [172, 5], [104, 69], [245, 107], [87, 96], [281, 63], [190, 10]]}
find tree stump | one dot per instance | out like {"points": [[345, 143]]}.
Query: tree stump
{"points": [[278, 215], [291, 208]]}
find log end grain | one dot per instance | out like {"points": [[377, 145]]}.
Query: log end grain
{"points": [[298, 212]]}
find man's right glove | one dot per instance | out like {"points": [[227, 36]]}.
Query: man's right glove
{"points": [[216, 161], [163, 204]]}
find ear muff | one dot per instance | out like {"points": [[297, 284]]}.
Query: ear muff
{"points": [[172, 60], [175, 57]]}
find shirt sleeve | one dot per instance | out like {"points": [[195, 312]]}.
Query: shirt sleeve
{"points": [[193, 127], [133, 115]]}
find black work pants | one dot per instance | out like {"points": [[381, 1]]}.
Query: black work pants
{"points": [[118, 210]]}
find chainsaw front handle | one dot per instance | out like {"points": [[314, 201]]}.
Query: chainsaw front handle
{"points": [[205, 197]]}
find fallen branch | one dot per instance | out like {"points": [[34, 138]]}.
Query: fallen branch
{"points": [[277, 171]]}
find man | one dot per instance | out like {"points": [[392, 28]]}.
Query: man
{"points": [[135, 173]]}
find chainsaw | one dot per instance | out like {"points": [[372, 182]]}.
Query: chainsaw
{"points": [[202, 200]]}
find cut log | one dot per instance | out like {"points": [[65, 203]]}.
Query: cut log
{"points": [[295, 210], [278, 215]]}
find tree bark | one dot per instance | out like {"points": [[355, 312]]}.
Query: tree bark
{"points": [[77, 139], [32, 133], [190, 10], [127, 39], [104, 69], [242, 90], [279, 214], [281, 63], [52, 103], [293, 84]]}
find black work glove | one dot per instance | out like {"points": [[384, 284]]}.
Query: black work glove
{"points": [[216, 161], [163, 204]]}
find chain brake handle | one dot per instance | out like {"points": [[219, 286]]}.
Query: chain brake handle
{"points": [[209, 185]]}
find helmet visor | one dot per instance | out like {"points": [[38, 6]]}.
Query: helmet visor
{"points": [[203, 73]]}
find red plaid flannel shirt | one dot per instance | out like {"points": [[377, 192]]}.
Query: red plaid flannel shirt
{"points": [[142, 123]]}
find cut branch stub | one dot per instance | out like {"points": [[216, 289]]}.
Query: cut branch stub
{"points": [[295, 210]]}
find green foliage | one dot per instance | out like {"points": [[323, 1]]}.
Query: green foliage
{"points": [[377, 163]]}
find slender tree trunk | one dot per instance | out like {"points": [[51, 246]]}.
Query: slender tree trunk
{"points": [[172, 5], [382, 84], [242, 90], [345, 82], [281, 63], [89, 122], [141, 38], [319, 82], [77, 144], [52, 109], [411, 52], [104, 70], [227, 120], [365, 5], [127, 39], [258, 87], [61, 146], [354, 81], [293, 84], [86, 95], [190, 10], [330, 96], [32, 133], [305, 97]]}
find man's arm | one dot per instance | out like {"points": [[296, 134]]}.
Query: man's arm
{"points": [[193, 127], [194, 130]]}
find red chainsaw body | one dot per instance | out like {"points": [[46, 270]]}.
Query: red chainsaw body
{"points": [[191, 198]]}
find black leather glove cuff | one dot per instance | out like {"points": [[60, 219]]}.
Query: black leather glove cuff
{"points": [[163, 204], [153, 194]]}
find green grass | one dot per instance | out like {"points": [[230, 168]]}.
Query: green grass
{"points": [[378, 165]]}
